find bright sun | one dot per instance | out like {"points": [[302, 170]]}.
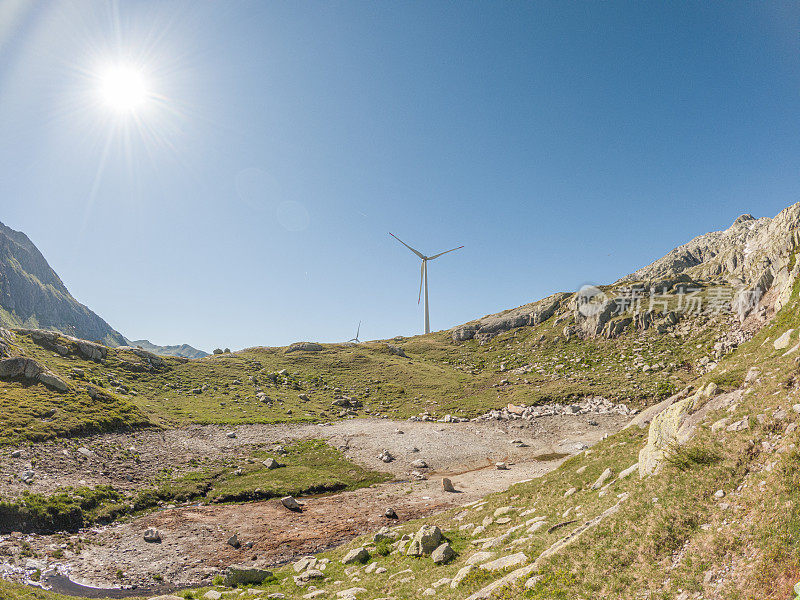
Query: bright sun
{"points": [[123, 88]]}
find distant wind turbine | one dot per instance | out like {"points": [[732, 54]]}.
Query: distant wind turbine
{"points": [[355, 339], [423, 277]]}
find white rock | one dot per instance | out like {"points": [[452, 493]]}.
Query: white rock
{"points": [[605, 476], [505, 562]]}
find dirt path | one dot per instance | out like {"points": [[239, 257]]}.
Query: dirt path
{"points": [[194, 538]]}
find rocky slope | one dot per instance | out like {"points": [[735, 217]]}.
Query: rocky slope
{"points": [[32, 295], [751, 259]]}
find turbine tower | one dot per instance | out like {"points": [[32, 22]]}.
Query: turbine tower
{"points": [[423, 276]]}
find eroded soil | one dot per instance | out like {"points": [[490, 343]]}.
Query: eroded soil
{"points": [[194, 544]]}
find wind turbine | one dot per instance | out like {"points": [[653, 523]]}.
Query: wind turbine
{"points": [[423, 276], [355, 339]]}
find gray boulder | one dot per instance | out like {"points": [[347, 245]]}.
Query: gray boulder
{"points": [[292, 504], [240, 574], [425, 541], [357, 555], [443, 554]]}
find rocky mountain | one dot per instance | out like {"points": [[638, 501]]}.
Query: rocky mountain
{"points": [[751, 260], [751, 252], [182, 350], [33, 296]]}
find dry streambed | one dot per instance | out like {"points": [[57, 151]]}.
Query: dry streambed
{"points": [[194, 539]]}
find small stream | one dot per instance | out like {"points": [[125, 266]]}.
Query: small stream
{"points": [[61, 584]]}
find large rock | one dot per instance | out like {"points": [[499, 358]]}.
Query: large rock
{"points": [[442, 554], [304, 347], [241, 574], [21, 367], [505, 562], [490, 326], [53, 381], [292, 504], [665, 429], [425, 541], [356, 555], [784, 340], [152, 536]]}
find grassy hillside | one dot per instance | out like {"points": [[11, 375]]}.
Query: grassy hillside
{"points": [[526, 365], [721, 519]]}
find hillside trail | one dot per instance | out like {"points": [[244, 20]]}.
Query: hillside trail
{"points": [[194, 544]]}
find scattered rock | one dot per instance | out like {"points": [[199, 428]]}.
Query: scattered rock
{"points": [[505, 562], [480, 557], [234, 542], [240, 574], [390, 514], [718, 426], [447, 485], [461, 575], [604, 477], [629, 471], [442, 554], [152, 536], [292, 504], [357, 555], [425, 541], [501, 466], [783, 341], [740, 425], [271, 463]]}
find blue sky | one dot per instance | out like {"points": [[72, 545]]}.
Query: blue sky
{"points": [[249, 202]]}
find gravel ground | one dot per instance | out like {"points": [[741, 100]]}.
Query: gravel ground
{"points": [[194, 547]]}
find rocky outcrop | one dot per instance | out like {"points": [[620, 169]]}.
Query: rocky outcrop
{"points": [[753, 254], [65, 345], [304, 347], [667, 428], [6, 342], [490, 326], [28, 369]]}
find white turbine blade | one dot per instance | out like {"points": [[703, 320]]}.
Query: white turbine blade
{"points": [[406, 245], [445, 252], [421, 279]]}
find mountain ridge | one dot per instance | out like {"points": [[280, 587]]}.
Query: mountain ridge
{"points": [[33, 296]]}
